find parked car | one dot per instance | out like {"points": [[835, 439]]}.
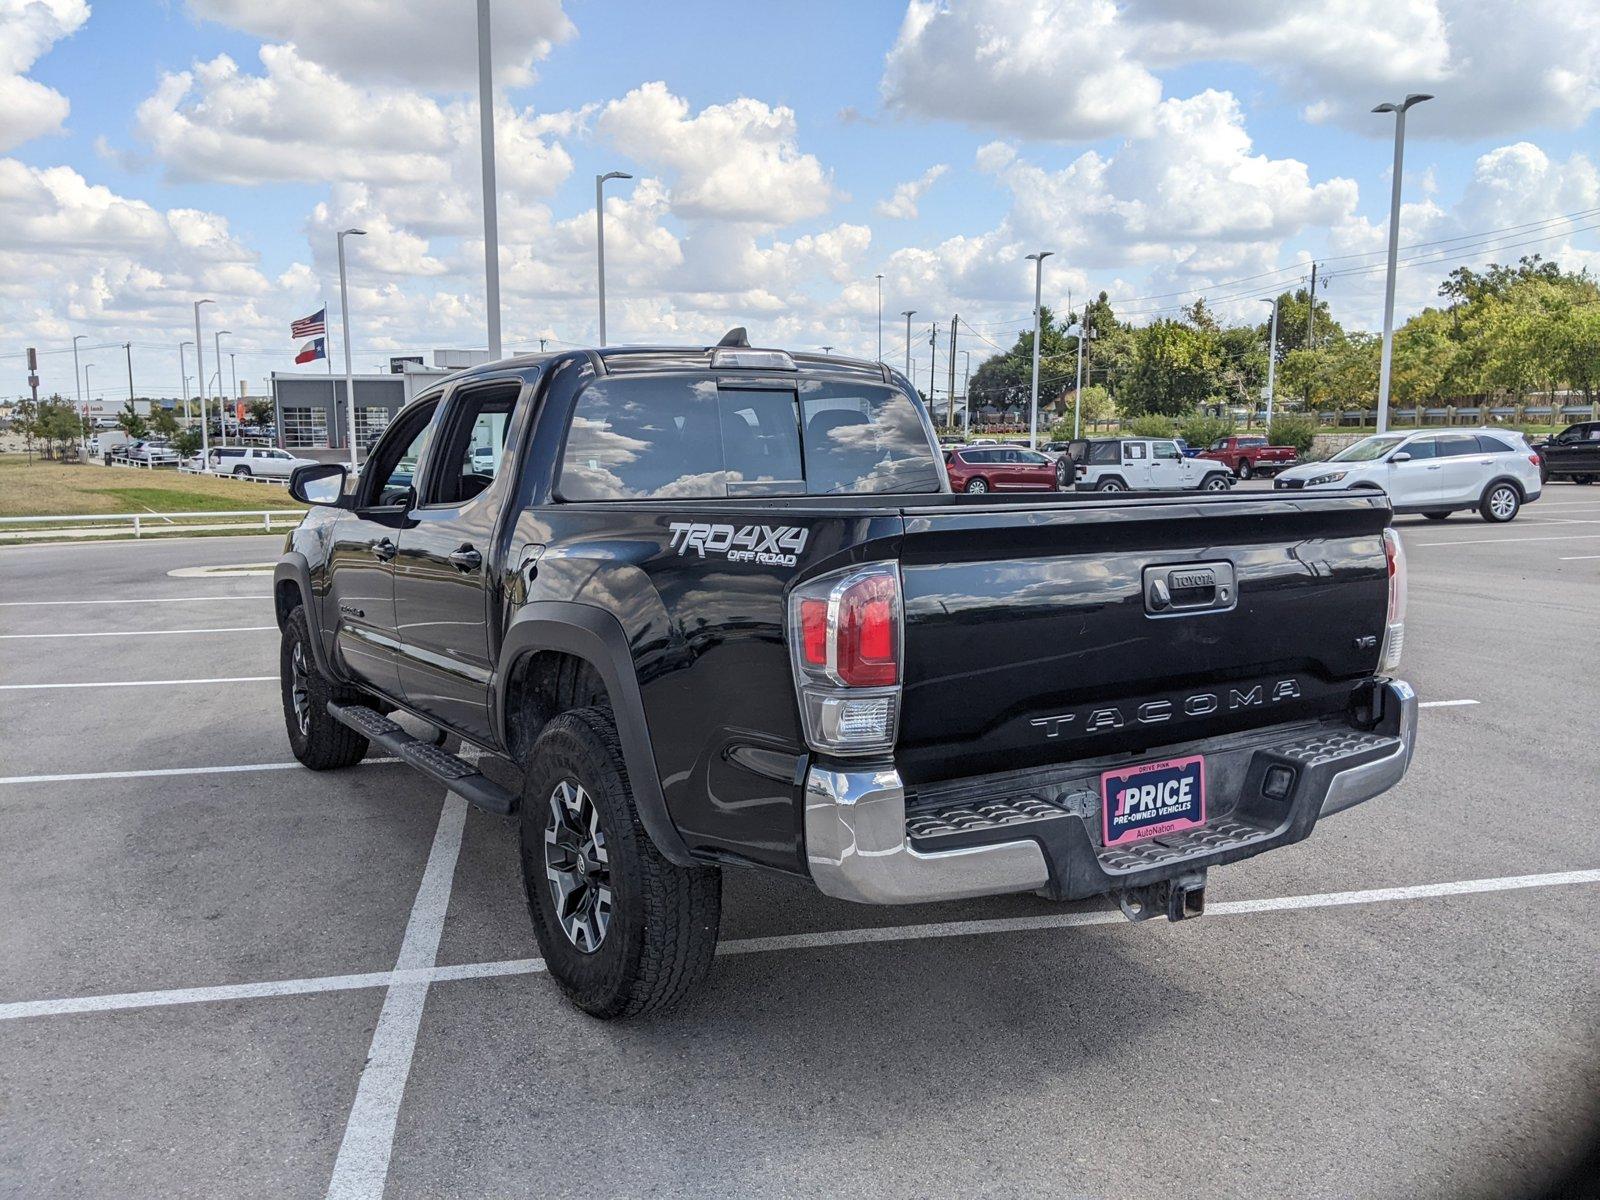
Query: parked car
{"points": [[1492, 470], [1114, 464], [105, 443], [789, 648], [1573, 454], [151, 452], [254, 460], [1248, 456], [1004, 469]]}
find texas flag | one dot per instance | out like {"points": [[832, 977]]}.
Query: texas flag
{"points": [[311, 351]]}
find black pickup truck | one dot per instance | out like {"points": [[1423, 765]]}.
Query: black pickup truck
{"points": [[720, 608]]}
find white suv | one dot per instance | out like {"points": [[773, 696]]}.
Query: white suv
{"points": [[254, 460], [1492, 470], [1115, 464]]}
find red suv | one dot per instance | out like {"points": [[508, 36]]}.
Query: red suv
{"points": [[1004, 469]]}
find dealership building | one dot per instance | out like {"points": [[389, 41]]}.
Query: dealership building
{"points": [[312, 410]]}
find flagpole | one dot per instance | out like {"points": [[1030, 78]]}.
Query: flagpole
{"points": [[327, 342]]}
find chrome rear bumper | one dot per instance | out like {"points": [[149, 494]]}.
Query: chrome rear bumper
{"points": [[858, 847]]}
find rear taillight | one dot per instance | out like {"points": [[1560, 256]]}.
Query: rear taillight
{"points": [[845, 641], [1536, 460], [1395, 623]]}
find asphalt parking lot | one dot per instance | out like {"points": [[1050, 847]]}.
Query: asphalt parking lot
{"points": [[221, 974]]}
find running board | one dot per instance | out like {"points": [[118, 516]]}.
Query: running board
{"points": [[457, 774]]}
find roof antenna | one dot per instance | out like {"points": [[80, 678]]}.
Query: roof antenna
{"points": [[735, 337]]}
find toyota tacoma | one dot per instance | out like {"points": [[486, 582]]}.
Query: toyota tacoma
{"points": [[720, 608]]}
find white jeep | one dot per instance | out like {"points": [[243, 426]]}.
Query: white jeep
{"points": [[1123, 464]]}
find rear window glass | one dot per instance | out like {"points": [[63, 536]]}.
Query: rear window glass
{"points": [[648, 438], [1105, 452], [1493, 445]]}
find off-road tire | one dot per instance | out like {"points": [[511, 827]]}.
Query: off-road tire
{"points": [[1495, 508], [1217, 481], [1111, 485], [322, 744], [664, 919]]}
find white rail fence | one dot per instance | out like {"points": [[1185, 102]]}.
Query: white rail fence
{"points": [[80, 525]]}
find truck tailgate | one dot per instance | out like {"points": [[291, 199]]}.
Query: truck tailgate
{"points": [[1036, 633]]}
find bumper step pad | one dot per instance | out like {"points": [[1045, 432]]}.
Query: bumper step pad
{"points": [[975, 810], [457, 774]]}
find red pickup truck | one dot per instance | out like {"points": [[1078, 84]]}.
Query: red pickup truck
{"points": [[1248, 456]]}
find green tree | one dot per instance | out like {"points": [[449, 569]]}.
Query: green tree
{"points": [[1199, 429], [131, 423], [261, 412], [1292, 429], [1175, 368], [163, 421], [58, 426]]}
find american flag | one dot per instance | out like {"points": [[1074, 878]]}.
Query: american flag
{"points": [[314, 325]]}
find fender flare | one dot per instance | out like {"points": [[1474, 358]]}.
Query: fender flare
{"points": [[595, 636], [294, 568], [1107, 477], [1522, 492]]}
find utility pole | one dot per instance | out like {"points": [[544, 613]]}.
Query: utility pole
{"points": [[955, 323], [1311, 311], [127, 348], [1399, 111], [600, 239], [966, 379], [908, 314], [933, 362]]}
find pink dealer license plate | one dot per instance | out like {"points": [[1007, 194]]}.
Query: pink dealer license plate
{"points": [[1153, 798]]}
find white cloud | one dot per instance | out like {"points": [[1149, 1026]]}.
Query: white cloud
{"points": [[1055, 70], [739, 161], [1083, 69], [902, 205], [28, 28], [418, 43]]}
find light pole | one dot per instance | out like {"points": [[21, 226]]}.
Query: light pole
{"points": [[233, 373], [600, 239], [222, 413], [966, 375], [1272, 357], [344, 316], [1399, 111], [491, 218], [183, 376], [1038, 288], [1077, 388], [86, 369], [200, 382], [827, 349], [880, 317], [77, 380], [908, 314]]}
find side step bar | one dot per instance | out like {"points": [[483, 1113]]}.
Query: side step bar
{"points": [[457, 774]]}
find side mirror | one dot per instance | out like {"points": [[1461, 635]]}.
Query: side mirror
{"points": [[320, 483], [1400, 456]]}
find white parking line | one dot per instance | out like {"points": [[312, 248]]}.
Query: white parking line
{"points": [[132, 600], [169, 772], [1578, 558], [363, 1163], [35, 687], [1515, 541], [139, 632], [794, 941], [1445, 703]]}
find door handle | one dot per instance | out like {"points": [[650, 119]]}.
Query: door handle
{"points": [[382, 549], [466, 559]]}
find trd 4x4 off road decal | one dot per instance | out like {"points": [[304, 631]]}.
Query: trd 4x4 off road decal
{"points": [[769, 545]]}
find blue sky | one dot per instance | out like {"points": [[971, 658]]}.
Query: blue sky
{"points": [[1155, 147]]}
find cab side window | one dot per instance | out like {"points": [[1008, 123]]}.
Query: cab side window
{"points": [[390, 474], [472, 444], [1165, 449]]}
